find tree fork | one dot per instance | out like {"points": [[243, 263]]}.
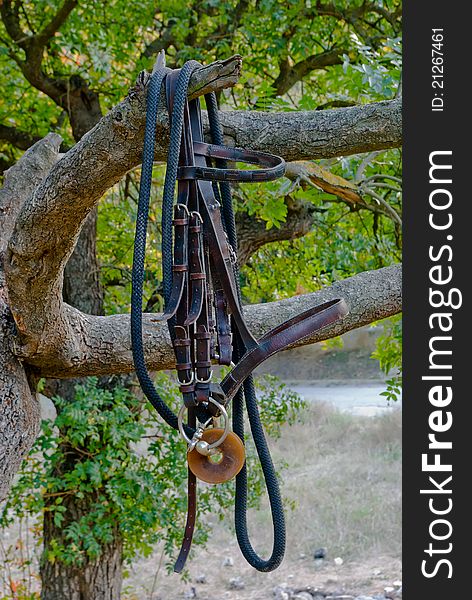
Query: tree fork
{"points": [[47, 329]]}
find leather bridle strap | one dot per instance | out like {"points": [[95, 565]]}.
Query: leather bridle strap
{"points": [[274, 165], [280, 338], [202, 297]]}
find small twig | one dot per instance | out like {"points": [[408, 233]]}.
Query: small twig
{"points": [[386, 186], [382, 176], [385, 204], [30, 577], [364, 164], [7, 572], [157, 573], [54, 494]]}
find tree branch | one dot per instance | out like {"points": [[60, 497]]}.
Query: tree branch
{"points": [[5, 164], [43, 36], [11, 19], [290, 75], [317, 134], [39, 248], [102, 345], [18, 138], [355, 17], [20, 407], [305, 173], [21, 181], [33, 46], [253, 233]]}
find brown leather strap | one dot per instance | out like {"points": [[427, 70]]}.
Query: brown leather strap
{"points": [[191, 511], [223, 327], [180, 266], [275, 165], [221, 257], [280, 338], [197, 273]]}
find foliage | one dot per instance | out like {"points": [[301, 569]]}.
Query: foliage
{"points": [[389, 354], [129, 470], [379, 70], [123, 482], [278, 404]]}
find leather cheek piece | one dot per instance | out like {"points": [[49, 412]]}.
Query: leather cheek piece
{"points": [[282, 336], [272, 167]]}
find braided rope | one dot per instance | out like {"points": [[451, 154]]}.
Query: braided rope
{"points": [[248, 394]]}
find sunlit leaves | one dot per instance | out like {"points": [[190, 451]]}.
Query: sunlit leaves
{"points": [[126, 472]]}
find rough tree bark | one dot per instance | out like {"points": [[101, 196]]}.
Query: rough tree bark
{"points": [[50, 332], [100, 578], [41, 335], [19, 418]]}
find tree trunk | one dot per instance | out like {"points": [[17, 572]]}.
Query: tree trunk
{"points": [[98, 579], [82, 287], [19, 413]]}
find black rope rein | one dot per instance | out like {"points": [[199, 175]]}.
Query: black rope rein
{"points": [[248, 393]]}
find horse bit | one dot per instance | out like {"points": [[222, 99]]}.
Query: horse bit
{"points": [[203, 307]]}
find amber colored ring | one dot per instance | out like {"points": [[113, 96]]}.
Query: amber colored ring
{"points": [[231, 459]]}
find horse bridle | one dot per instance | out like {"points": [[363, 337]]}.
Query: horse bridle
{"points": [[203, 306]]}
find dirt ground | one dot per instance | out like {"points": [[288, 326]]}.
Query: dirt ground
{"points": [[367, 577], [343, 484], [342, 487]]}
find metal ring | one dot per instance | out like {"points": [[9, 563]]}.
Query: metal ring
{"points": [[221, 408]]}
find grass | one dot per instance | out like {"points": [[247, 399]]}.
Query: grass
{"points": [[344, 479], [342, 485]]}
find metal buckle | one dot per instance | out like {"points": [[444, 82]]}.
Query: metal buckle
{"points": [[192, 443], [197, 380], [184, 206], [197, 214]]}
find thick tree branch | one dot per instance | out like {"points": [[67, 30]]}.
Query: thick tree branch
{"points": [[317, 134], [253, 233], [102, 345], [72, 94], [33, 49], [20, 416], [291, 74], [20, 182]]}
